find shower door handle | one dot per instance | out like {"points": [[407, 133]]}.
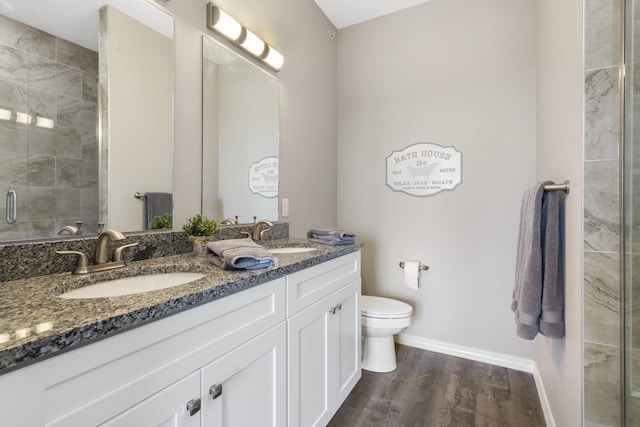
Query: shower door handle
{"points": [[12, 207]]}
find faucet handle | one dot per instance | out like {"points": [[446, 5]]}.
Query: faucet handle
{"points": [[82, 262], [117, 253]]}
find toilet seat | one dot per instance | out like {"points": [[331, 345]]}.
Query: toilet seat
{"points": [[384, 308]]}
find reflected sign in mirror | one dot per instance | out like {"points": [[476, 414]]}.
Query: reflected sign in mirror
{"points": [[240, 135]]}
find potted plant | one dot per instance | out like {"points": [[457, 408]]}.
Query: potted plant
{"points": [[201, 230], [159, 222]]}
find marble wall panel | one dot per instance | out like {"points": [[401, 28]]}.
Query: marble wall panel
{"points": [[602, 33], [13, 140], [59, 141], [77, 114], [72, 54], [13, 171], [51, 203], [89, 146], [14, 66], [42, 103], [602, 297], [89, 87], [76, 173], [602, 385], [602, 114], [40, 229], [41, 171], [25, 38], [601, 201], [56, 78]]}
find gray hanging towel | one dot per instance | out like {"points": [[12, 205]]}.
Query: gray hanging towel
{"points": [[156, 204], [552, 316], [538, 263]]}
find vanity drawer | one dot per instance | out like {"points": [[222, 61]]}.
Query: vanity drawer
{"points": [[308, 286]]}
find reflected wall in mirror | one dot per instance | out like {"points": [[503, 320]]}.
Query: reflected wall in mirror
{"points": [[51, 153], [241, 104]]}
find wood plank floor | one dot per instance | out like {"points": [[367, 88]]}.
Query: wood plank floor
{"points": [[433, 389]]}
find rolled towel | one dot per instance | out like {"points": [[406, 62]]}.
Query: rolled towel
{"points": [[330, 236], [238, 254]]}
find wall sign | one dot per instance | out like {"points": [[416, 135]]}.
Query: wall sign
{"points": [[424, 169], [263, 177]]}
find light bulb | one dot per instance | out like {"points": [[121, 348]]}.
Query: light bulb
{"points": [[224, 24], [273, 59], [252, 43]]}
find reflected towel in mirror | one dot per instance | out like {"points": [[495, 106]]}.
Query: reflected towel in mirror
{"points": [[156, 204]]}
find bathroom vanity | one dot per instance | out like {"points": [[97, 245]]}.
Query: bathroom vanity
{"points": [[276, 347]]}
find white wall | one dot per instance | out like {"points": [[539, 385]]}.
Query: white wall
{"points": [[451, 72], [298, 30], [559, 157]]}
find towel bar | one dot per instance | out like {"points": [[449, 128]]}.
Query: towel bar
{"points": [[139, 195], [566, 187], [422, 266]]}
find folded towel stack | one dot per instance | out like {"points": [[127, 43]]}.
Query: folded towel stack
{"points": [[330, 236], [238, 254]]}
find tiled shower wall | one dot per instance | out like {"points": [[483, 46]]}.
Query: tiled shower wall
{"points": [[602, 222], [54, 171]]}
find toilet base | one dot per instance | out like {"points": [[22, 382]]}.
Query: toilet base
{"points": [[379, 354]]}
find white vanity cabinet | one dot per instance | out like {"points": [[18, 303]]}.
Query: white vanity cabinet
{"points": [[148, 376], [285, 352], [323, 328]]}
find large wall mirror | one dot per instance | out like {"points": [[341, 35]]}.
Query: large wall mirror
{"points": [[240, 110], [86, 114]]}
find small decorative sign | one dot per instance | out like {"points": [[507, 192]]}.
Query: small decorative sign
{"points": [[263, 177], [424, 169]]}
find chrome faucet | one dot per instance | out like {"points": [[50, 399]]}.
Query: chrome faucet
{"points": [[259, 234], [101, 259], [102, 247]]}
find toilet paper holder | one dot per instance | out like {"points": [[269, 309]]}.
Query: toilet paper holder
{"points": [[422, 266]]}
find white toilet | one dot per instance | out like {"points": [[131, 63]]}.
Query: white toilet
{"points": [[382, 318]]}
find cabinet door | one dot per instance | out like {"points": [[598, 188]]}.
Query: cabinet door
{"points": [[168, 408], [247, 386], [309, 366], [347, 341]]}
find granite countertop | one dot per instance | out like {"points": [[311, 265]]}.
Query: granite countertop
{"points": [[36, 324]]}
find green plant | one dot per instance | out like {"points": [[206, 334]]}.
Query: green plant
{"points": [[199, 225], [164, 221]]}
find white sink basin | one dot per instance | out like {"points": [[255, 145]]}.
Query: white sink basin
{"points": [[290, 250], [132, 285]]}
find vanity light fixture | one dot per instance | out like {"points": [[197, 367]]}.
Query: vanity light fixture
{"points": [[23, 118], [5, 114], [223, 24]]}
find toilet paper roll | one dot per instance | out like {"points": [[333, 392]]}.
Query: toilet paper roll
{"points": [[412, 274]]}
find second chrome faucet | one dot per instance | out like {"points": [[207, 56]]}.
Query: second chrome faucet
{"points": [[101, 260]]}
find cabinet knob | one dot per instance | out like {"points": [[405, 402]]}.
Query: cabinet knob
{"points": [[193, 406], [215, 391]]}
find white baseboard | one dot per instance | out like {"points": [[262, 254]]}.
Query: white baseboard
{"points": [[511, 362], [544, 400]]}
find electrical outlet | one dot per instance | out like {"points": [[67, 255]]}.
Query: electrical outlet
{"points": [[285, 207]]}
